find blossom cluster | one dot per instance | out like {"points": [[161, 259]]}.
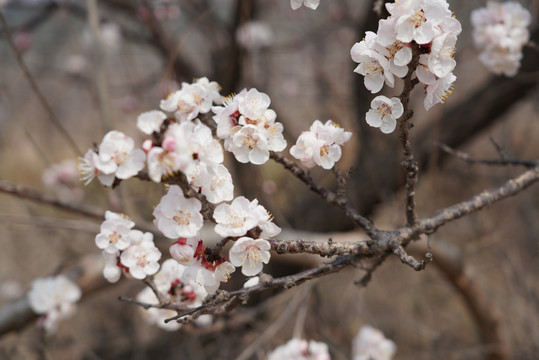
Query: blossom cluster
{"points": [[500, 32], [171, 281], [371, 344], [426, 25], [321, 145], [125, 248], [248, 127], [311, 4], [299, 349], [55, 298], [179, 218]]}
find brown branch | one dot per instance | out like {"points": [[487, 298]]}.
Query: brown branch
{"points": [[405, 124], [48, 222], [477, 202], [37, 92], [23, 192], [325, 249]]}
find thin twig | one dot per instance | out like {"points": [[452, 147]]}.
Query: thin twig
{"points": [[33, 85], [23, 192], [48, 222], [496, 162], [366, 278], [328, 196], [410, 260], [477, 202], [101, 70]]}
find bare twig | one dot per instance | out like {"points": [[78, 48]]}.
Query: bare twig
{"points": [[366, 278], [101, 71], [23, 192], [503, 161], [328, 196], [477, 202], [410, 260], [47, 222], [37, 92]]}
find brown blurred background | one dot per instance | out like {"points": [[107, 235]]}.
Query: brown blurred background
{"points": [[147, 49]]}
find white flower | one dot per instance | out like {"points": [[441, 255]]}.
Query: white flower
{"points": [[86, 167], [150, 121], [55, 297], [320, 145], [216, 184], [249, 145], [272, 130], [184, 250], [384, 113], [212, 89], [176, 216], [500, 32], [254, 281], [114, 235], [118, 158], [222, 271], [62, 178], [162, 162], [226, 116], [254, 104], [303, 150], [439, 90], [192, 99], [235, 219], [254, 35], [440, 59], [374, 66], [311, 4], [299, 349], [418, 20], [111, 271], [370, 344], [141, 259], [201, 276], [193, 145], [250, 254]]}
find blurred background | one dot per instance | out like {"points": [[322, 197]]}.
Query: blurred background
{"points": [[99, 64]]}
